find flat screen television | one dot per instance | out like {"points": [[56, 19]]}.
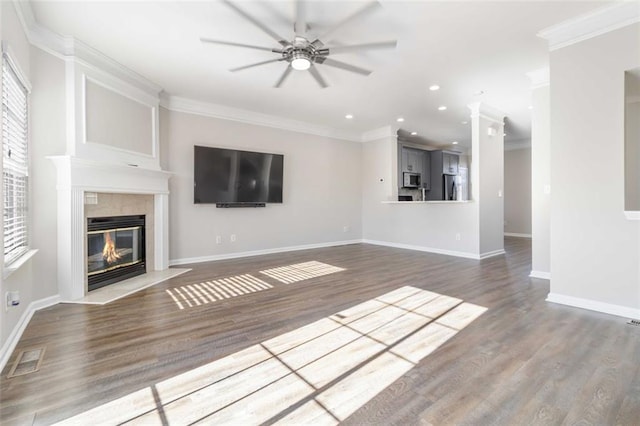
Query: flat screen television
{"points": [[229, 176]]}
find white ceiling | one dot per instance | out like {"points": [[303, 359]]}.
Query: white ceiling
{"points": [[464, 47]]}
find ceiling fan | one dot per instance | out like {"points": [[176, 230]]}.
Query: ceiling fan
{"points": [[302, 54]]}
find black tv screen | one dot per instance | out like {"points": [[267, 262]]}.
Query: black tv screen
{"points": [[232, 176]]}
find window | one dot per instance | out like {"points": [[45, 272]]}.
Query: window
{"points": [[15, 161]]}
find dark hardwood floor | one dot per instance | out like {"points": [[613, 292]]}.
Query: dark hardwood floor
{"points": [[524, 361]]}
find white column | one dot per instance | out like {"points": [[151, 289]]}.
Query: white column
{"points": [[161, 231], [71, 244], [540, 175], [487, 176]]}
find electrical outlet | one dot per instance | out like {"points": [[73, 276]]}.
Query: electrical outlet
{"points": [[458, 236], [547, 189], [12, 299], [218, 239], [233, 238], [345, 228]]}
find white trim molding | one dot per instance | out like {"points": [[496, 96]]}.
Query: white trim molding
{"points": [[216, 257], [540, 274], [464, 254], [208, 109], [67, 46], [515, 234], [594, 305], [481, 109], [489, 254], [381, 133], [632, 214], [592, 24], [539, 78], [13, 339]]}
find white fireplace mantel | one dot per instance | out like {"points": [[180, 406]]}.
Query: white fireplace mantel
{"points": [[76, 176]]}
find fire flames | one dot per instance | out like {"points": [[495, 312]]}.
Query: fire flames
{"points": [[109, 252]]}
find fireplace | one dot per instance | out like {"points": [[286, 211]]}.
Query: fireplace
{"points": [[115, 249]]}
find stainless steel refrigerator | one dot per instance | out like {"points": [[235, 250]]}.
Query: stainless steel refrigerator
{"points": [[451, 183]]}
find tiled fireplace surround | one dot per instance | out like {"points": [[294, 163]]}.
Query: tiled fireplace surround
{"points": [[122, 190]]}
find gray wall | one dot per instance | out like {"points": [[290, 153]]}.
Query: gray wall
{"points": [[46, 75], [540, 183], [594, 248], [322, 189], [416, 225], [517, 191]]}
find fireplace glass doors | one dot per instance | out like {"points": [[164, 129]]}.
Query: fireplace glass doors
{"points": [[115, 249]]}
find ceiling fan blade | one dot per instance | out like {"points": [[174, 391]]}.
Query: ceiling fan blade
{"points": [[366, 9], [300, 26], [231, 43], [316, 74], [358, 47], [347, 67], [256, 64], [255, 22], [284, 76]]}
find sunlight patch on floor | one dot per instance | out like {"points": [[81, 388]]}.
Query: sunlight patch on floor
{"points": [[300, 271], [317, 374], [190, 295]]}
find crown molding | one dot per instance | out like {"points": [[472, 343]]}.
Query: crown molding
{"points": [[480, 109], [207, 109], [67, 47], [380, 133], [539, 78], [592, 24]]}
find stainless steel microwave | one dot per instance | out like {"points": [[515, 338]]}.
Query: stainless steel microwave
{"points": [[410, 180]]}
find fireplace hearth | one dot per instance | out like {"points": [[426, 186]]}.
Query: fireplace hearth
{"points": [[115, 249]]}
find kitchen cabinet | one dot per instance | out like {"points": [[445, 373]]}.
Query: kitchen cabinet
{"points": [[450, 163], [414, 160]]}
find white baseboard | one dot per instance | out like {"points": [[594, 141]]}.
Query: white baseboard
{"points": [[491, 254], [464, 254], [213, 258], [16, 333], [514, 234], [540, 274], [200, 259], [593, 305]]}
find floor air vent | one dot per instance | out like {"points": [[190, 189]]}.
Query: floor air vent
{"points": [[28, 361]]}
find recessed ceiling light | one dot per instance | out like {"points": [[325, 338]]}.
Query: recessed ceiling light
{"points": [[414, 133], [530, 106], [504, 134], [464, 122], [442, 108], [434, 87], [348, 116], [454, 143], [400, 119]]}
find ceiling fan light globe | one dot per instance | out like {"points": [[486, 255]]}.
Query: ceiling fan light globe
{"points": [[300, 64]]}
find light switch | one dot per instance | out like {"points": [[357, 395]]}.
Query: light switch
{"points": [[547, 189], [499, 193]]}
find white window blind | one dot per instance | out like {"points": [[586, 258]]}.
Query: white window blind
{"points": [[15, 165]]}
